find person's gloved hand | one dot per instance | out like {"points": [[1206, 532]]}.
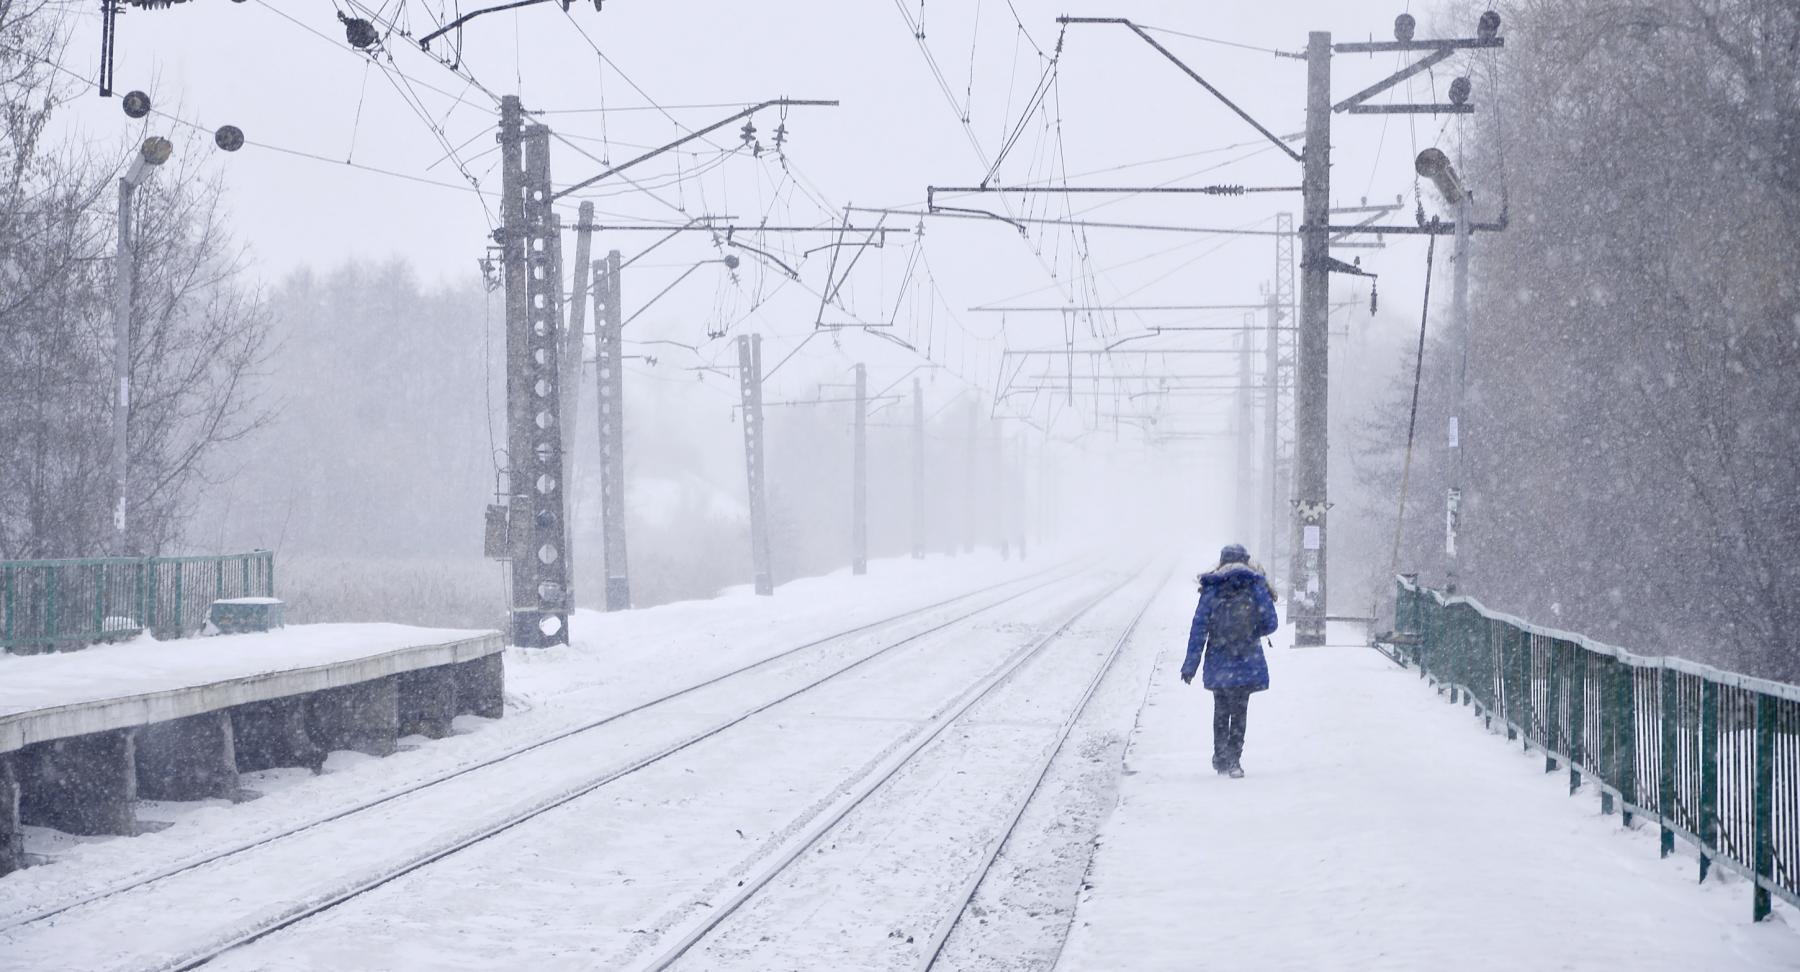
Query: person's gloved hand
{"points": [[1187, 678]]}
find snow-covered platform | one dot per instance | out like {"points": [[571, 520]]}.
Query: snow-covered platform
{"points": [[84, 734], [1379, 827]]}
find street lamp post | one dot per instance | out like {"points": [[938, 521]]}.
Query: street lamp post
{"points": [[1435, 165], [155, 152]]}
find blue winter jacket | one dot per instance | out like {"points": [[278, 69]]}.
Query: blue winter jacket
{"points": [[1231, 665]]}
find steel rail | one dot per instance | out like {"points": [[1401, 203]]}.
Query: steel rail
{"points": [[238, 849], [314, 908], [827, 820], [934, 947]]}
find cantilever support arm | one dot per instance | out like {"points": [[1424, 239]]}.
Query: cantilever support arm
{"points": [[1215, 92], [425, 42], [699, 133]]}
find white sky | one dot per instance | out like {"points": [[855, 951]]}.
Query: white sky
{"points": [[254, 64]]}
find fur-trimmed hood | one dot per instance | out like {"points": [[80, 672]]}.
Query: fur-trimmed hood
{"points": [[1234, 573]]}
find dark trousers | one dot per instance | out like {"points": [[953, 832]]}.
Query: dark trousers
{"points": [[1230, 708]]}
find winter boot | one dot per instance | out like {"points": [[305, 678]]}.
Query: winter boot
{"points": [[1235, 772]]}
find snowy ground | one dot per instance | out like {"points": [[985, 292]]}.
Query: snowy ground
{"points": [[1381, 828], [619, 661]]}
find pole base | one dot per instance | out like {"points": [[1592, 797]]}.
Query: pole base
{"points": [[618, 594]]}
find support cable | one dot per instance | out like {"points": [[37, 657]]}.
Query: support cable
{"points": [[1412, 419]]}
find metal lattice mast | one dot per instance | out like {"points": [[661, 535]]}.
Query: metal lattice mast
{"points": [[1306, 582], [1286, 339], [859, 487], [575, 336], [918, 472], [537, 527], [610, 383], [972, 482], [751, 398], [1272, 504], [1244, 428]]}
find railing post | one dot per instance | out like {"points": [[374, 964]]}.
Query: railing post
{"points": [[219, 587], [1763, 807], [1665, 797], [1606, 763], [1521, 718], [245, 559], [152, 594], [8, 605], [1424, 617], [1507, 662], [1625, 750], [268, 573], [180, 629], [1577, 718], [1552, 711], [50, 604], [99, 576], [1493, 670], [1709, 774]]}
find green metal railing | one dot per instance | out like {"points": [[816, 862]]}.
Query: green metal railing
{"points": [[57, 605], [1710, 756]]}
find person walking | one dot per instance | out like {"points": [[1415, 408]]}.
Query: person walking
{"points": [[1237, 610]]}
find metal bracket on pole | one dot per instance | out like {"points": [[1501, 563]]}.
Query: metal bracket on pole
{"points": [[1190, 72]]}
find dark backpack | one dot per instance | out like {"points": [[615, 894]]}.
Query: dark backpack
{"points": [[1235, 615]]}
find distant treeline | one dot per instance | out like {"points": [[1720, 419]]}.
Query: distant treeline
{"points": [[389, 439]]}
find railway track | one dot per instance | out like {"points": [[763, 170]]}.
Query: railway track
{"points": [[682, 942], [960, 610]]}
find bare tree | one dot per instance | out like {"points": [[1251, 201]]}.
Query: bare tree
{"points": [[1632, 417], [197, 333]]}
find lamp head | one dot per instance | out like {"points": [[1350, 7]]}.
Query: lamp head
{"points": [[1435, 165], [156, 150]]}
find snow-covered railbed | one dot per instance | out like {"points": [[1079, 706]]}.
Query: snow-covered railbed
{"points": [[168, 916], [877, 884], [1019, 915], [589, 877]]}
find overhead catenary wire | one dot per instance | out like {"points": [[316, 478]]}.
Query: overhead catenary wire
{"points": [[256, 143], [336, 43]]}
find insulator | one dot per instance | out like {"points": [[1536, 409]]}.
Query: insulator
{"points": [[136, 104], [1489, 27], [229, 137], [1459, 91], [1404, 26], [359, 32]]}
